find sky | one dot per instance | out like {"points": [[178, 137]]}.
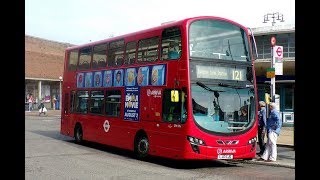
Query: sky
{"points": [[82, 21]]}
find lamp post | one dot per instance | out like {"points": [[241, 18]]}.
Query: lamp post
{"points": [[60, 92], [273, 16]]}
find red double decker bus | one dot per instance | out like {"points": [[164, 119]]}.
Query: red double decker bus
{"points": [[182, 90]]}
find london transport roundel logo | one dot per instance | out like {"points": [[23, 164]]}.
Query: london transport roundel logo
{"points": [[106, 126]]}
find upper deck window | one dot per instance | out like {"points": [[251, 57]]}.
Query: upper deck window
{"points": [[214, 39], [99, 56], [130, 53], [148, 50], [73, 60], [115, 53], [85, 58], [171, 43]]}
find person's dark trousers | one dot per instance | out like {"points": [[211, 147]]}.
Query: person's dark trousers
{"points": [[261, 136]]}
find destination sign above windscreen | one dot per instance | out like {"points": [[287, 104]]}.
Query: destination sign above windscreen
{"points": [[216, 72]]}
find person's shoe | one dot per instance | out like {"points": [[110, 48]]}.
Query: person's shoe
{"points": [[269, 160], [260, 159]]}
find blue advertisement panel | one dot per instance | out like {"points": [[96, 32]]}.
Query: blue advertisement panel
{"points": [[80, 79], [107, 78], [143, 76], [118, 77], [131, 104], [158, 75], [88, 79], [97, 79], [130, 78]]}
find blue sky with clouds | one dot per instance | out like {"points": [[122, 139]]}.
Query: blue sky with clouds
{"points": [[82, 21]]}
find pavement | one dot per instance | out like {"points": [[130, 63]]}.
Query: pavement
{"points": [[285, 143]]}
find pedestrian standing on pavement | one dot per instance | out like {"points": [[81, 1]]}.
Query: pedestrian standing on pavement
{"points": [[274, 125], [30, 102], [262, 126]]}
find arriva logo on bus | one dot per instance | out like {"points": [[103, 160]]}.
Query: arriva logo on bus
{"points": [[226, 151]]}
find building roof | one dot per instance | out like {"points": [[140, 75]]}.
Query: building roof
{"points": [[44, 58], [288, 28]]}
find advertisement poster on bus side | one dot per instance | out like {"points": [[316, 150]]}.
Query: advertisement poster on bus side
{"points": [[107, 78], [143, 76], [157, 75], [130, 77], [118, 77], [80, 80], [88, 79], [97, 79], [131, 103]]}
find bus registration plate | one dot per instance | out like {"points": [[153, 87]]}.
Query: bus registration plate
{"points": [[225, 156]]}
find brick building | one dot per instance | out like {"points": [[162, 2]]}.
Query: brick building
{"points": [[43, 67]]}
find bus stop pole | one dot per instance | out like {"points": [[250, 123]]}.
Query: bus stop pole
{"points": [[273, 79]]}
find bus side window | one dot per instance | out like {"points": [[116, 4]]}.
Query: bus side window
{"points": [[171, 43], [130, 53], [171, 111], [115, 53], [99, 56], [82, 99], [148, 50], [72, 60], [113, 103], [85, 58], [72, 101]]}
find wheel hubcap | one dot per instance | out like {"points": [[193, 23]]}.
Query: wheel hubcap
{"points": [[143, 146]]}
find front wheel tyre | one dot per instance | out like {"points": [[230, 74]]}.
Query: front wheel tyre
{"points": [[142, 147], [78, 134]]}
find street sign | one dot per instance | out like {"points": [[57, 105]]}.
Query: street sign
{"points": [[273, 41], [278, 59], [278, 68], [278, 52]]}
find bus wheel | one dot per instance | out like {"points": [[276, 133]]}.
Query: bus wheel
{"points": [[142, 147], [78, 134]]}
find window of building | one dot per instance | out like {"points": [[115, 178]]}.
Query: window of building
{"points": [[267, 46], [130, 53], [99, 56], [115, 53], [73, 60], [288, 98], [148, 50], [291, 42], [96, 102], [82, 100], [113, 103], [171, 43], [85, 58], [259, 43]]}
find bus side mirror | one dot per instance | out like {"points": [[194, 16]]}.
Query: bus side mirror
{"points": [[174, 96]]}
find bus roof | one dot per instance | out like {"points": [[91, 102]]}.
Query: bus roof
{"points": [[162, 26]]}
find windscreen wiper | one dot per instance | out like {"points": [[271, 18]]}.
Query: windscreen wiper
{"points": [[206, 87], [236, 87]]}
